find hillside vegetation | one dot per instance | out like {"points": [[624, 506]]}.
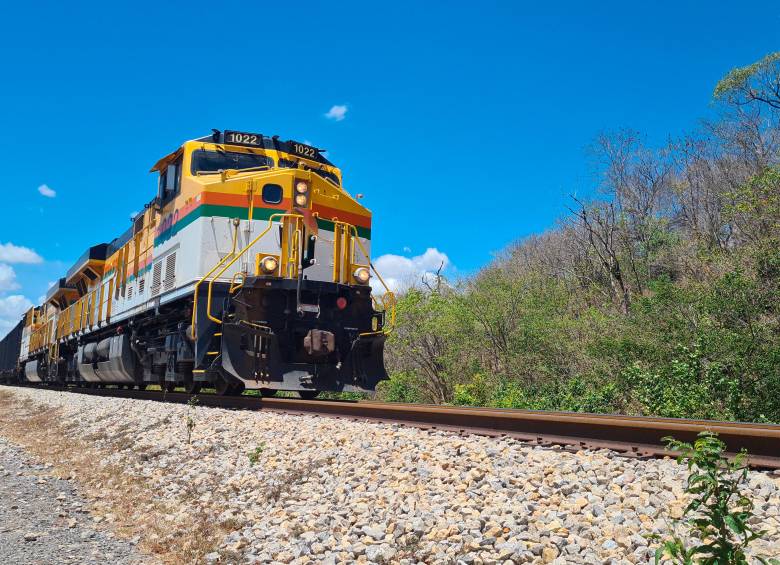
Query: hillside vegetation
{"points": [[660, 296]]}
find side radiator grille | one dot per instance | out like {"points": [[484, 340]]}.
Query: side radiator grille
{"points": [[156, 278], [170, 272]]}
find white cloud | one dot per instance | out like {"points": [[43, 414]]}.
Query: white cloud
{"points": [[10, 253], [407, 249], [401, 272], [11, 310], [14, 306], [7, 278], [46, 191], [337, 112]]}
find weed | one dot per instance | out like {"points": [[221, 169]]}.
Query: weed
{"points": [[191, 404], [288, 481], [719, 513], [254, 455]]}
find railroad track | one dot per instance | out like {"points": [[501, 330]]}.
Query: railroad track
{"points": [[631, 436]]}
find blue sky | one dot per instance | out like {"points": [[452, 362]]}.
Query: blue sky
{"points": [[465, 125]]}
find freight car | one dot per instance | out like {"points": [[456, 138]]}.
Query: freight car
{"points": [[10, 346], [250, 268]]}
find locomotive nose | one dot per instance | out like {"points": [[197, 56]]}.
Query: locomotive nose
{"points": [[284, 336]]}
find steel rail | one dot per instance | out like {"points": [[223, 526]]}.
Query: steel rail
{"points": [[631, 436]]}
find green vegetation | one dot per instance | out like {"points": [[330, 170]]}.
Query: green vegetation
{"points": [[661, 296], [718, 516], [254, 455], [191, 404]]}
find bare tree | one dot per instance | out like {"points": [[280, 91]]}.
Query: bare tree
{"points": [[598, 224]]}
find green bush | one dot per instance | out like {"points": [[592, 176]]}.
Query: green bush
{"points": [[719, 513]]}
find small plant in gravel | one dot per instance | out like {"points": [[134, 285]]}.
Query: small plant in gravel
{"points": [[191, 404], [718, 516], [254, 455]]}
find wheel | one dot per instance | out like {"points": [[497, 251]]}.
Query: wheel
{"points": [[237, 389], [191, 386], [221, 386], [142, 386], [268, 392], [168, 386], [308, 394]]}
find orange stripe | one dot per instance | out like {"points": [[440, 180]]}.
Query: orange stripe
{"points": [[325, 212], [328, 213], [240, 201]]}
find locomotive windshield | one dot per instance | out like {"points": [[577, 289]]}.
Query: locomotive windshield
{"points": [[212, 161], [327, 175]]}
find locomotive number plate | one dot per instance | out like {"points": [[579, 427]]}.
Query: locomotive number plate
{"points": [[242, 138], [303, 150]]}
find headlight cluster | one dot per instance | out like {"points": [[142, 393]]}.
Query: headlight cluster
{"points": [[301, 193], [361, 275], [269, 265]]}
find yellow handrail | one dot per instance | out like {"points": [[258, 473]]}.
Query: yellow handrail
{"points": [[388, 299], [236, 258], [194, 333], [233, 285]]}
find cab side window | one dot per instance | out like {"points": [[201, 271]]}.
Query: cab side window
{"points": [[170, 181]]}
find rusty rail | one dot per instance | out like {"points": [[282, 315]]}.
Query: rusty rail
{"points": [[632, 436]]}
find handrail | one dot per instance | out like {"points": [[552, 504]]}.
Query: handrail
{"points": [[389, 295], [193, 332], [236, 257], [388, 299], [233, 285]]}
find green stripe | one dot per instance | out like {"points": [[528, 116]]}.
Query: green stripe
{"points": [[327, 225], [214, 210]]}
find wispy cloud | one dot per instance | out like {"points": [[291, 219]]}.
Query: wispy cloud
{"points": [[401, 272], [46, 191], [337, 112], [10, 253], [7, 278], [11, 309]]}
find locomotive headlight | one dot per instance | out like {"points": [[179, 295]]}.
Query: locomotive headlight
{"points": [[361, 275], [269, 265], [301, 199], [301, 187]]}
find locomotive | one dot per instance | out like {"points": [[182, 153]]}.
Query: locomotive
{"points": [[250, 269]]}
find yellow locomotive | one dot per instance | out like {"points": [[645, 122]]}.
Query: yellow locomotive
{"points": [[249, 269]]}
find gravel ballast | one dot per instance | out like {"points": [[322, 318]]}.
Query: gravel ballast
{"points": [[43, 521], [267, 487]]}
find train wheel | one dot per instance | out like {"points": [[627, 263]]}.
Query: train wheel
{"points": [[308, 394], [237, 389], [168, 386], [221, 386], [142, 386], [190, 386], [268, 392]]}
